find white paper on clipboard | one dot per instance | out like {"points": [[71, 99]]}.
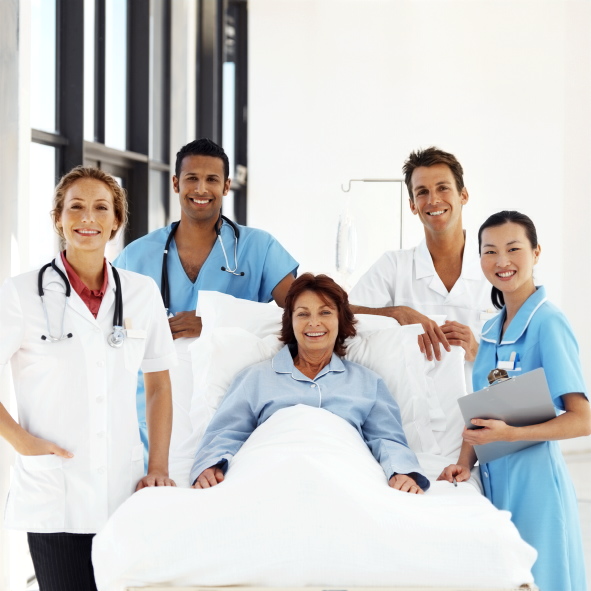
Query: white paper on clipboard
{"points": [[524, 400]]}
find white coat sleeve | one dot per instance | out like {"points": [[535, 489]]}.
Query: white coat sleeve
{"points": [[160, 353], [377, 287], [12, 322]]}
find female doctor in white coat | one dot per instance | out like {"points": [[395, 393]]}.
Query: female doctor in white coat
{"points": [[79, 454]]}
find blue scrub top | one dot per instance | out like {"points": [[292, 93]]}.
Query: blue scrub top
{"points": [[260, 256], [541, 336]]}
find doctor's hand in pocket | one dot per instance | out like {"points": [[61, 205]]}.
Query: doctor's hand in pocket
{"points": [[29, 445], [462, 336], [185, 324]]}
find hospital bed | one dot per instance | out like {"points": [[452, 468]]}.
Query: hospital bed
{"points": [[524, 587], [304, 504]]}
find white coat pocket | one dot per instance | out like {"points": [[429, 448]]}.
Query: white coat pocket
{"points": [[44, 462], [38, 493], [134, 348]]}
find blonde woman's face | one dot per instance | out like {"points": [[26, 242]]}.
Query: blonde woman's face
{"points": [[88, 219]]}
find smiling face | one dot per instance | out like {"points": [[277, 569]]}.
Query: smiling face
{"points": [[201, 187], [315, 324], [436, 199], [507, 259], [87, 220]]}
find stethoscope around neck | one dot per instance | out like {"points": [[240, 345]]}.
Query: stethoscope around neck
{"points": [[164, 282], [117, 336]]}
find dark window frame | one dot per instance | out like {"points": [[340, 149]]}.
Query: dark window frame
{"points": [[136, 162]]}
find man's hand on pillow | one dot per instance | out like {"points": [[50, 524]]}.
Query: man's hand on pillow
{"points": [[209, 477], [430, 342], [405, 483], [185, 324], [461, 335]]}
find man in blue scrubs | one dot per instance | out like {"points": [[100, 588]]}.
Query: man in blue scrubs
{"points": [[206, 251]]}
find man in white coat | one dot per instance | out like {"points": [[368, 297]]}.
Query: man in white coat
{"points": [[442, 274]]}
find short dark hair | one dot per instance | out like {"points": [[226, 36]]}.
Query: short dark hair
{"points": [[331, 293], [202, 147], [430, 157], [500, 219]]}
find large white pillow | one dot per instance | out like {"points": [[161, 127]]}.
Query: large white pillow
{"points": [[217, 358], [394, 355], [218, 310]]}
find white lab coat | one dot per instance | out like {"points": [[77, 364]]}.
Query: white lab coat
{"points": [[408, 278], [80, 394]]}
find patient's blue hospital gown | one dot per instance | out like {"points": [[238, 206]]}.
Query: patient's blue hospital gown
{"points": [[259, 256], [534, 484], [344, 388]]}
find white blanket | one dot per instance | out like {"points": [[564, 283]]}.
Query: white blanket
{"points": [[304, 503]]}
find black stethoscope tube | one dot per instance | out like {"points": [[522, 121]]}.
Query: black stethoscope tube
{"points": [[115, 339]]}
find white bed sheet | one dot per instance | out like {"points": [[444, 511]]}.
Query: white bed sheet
{"points": [[304, 503]]}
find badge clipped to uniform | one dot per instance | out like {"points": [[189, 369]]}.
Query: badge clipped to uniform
{"points": [[508, 365], [133, 333]]}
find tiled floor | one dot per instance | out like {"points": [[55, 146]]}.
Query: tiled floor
{"points": [[580, 469]]}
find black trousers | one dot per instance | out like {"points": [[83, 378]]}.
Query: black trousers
{"points": [[62, 561]]}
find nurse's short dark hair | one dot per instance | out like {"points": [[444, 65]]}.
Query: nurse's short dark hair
{"points": [[430, 157], [202, 147], [332, 294], [500, 219], [88, 172]]}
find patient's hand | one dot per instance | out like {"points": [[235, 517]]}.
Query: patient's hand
{"points": [[405, 483], [209, 477], [458, 471]]}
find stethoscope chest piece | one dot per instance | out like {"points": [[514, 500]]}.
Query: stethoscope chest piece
{"points": [[116, 338]]}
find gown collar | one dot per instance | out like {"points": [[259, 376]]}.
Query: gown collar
{"points": [[283, 363], [519, 324]]}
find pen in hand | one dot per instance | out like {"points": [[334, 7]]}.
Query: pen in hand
{"points": [[454, 481]]}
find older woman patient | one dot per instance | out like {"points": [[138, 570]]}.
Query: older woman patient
{"points": [[310, 370]]}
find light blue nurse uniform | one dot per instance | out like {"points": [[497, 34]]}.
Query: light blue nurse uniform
{"points": [[534, 484], [259, 256]]}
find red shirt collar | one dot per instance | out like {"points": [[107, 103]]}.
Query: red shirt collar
{"points": [[91, 297]]}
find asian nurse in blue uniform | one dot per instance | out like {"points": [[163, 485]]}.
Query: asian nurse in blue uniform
{"points": [[528, 333]]}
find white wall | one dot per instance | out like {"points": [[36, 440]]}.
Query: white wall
{"points": [[346, 89]]}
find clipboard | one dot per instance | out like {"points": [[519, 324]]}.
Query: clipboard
{"points": [[520, 401]]}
